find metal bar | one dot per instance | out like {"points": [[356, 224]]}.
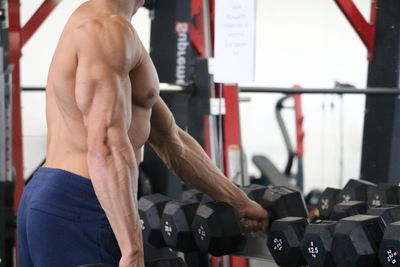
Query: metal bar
{"points": [[367, 91], [37, 19]]}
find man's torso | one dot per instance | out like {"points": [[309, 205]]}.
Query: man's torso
{"points": [[67, 136]]}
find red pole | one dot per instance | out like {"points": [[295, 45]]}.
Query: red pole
{"points": [[14, 57]]}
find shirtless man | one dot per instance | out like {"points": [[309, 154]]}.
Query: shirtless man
{"points": [[103, 104]]}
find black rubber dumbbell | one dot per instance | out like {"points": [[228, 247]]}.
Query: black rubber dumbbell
{"points": [[217, 227], [347, 209], [317, 240], [282, 201], [150, 211], [176, 224], [357, 238], [177, 219], [355, 190], [195, 195], [384, 194], [284, 240], [328, 200], [316, 244], [290, 233], [389, 249]]}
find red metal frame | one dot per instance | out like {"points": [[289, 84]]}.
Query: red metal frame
{"points": [[366, 30], [17, 38], [14, 56], [37, 19], [231, 130], [299, 125]]}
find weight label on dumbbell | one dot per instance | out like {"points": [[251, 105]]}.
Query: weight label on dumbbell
{"points": [[142, 225], [392, 256], [168, 228], [313, 250], [278, 244], [346, 197], [376, 201], [325, 204], [201, 232]]}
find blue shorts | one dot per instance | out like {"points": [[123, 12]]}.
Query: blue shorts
{"points": [[61, 223]]}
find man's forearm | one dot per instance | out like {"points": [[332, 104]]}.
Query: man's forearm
{"points": [[114, 178], [187, 159]]}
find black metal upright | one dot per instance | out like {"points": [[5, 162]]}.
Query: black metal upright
{"points": [[381, 140]]}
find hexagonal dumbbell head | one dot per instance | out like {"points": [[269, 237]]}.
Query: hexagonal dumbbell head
{"points": [[384, 194], [284, 240], [176, 224], [217, 229], [326, 203], [389, 250], [346, 209], [150, 211], [389, 213], [255, 192], [356, 241], [355, 190], [196, 195], [317, 243], [282, 201]]}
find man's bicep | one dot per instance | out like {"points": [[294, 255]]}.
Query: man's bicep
{"points": [[162, 122]]}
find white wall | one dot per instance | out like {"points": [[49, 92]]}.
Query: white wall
{"points": [[307, 42]]}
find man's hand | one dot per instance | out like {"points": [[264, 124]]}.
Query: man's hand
{"points": [[255, 215], [131, 261]]}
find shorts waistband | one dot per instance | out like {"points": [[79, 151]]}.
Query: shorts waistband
{"points": [[67, 181]]}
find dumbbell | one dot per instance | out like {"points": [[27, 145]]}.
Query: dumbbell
{"points": [[357, 190], [285, 235], [150, 211], [390, 245], [317, 241], [328, 200], [356, 239], [293, 242], [177, 217], [384, 194], [217, 227], [195, 195]]}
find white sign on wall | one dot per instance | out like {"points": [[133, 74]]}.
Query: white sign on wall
{"points": [[234, 41]]}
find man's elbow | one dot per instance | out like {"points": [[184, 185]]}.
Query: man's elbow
{"points": [[166, 137]]}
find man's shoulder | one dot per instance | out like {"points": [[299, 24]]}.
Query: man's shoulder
{"points": [[103, 25], [109, 38]]}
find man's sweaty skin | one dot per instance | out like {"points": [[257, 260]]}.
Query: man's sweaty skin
{"points": [[103, 104]]}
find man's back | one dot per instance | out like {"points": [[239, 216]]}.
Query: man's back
{"points": [[92, 27]]}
